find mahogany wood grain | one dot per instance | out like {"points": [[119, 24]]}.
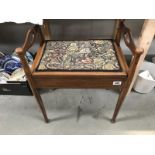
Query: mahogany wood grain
{"points": [[121, 57], [28, 74], [38, 57], [58, 79], [76, 82], [126, 85], [77, 74], [46, 29]]}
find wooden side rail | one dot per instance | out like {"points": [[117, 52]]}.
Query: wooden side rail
{"points": [[31, 36], [46, 29], [123, 30]]}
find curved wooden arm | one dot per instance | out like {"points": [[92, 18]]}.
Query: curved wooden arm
{"points": [[128, 40], [30, 38], [127, 36], [126, 33]]}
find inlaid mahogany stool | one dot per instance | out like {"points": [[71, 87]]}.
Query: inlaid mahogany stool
{"points": [[94, 63]]}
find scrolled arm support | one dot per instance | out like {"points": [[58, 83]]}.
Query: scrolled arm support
{"points": [[31, 36], [124, 31], [30, 39]]}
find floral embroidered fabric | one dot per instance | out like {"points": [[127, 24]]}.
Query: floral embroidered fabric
{"points": [[92, 55]]}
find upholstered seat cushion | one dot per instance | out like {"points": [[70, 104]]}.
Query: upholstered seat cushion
{"points": [[91, 55]]}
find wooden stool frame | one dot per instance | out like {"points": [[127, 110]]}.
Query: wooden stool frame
{"points": [[58, 79]]}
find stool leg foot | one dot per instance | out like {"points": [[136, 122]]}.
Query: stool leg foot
{"points": [[113, 121], [41, 105], [120, 101]]}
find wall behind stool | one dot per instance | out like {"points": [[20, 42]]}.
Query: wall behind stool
{"points": [[12, 35]]}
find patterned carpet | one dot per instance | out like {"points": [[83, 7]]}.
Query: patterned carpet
{"points": [[92, 55]]}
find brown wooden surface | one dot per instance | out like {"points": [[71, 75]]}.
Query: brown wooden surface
{"points": [[137, 52], [53, 79], [121, 58], [30, 38], [76, 81], [28, 74], [46, 29], [127, 84], [38, 57], [79, 74]]}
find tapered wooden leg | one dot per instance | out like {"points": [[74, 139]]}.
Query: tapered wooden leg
{"points": [[126, 86], [38, 98], [40, 103], [20, 52], [120, 101]]}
